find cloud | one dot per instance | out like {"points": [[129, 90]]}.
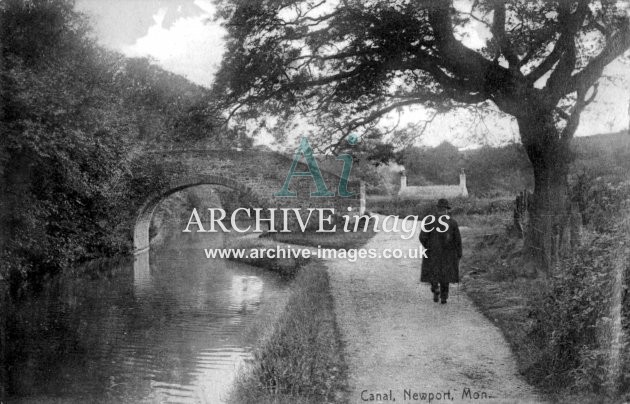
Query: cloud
{"points": [[191, 46]]}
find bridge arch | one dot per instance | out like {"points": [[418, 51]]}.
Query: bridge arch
{"points": [[145, 213]]}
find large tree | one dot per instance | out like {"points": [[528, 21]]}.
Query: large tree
{"points": [[350, 62]]}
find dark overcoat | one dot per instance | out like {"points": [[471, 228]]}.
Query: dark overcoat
{"points": [[444, 251]]}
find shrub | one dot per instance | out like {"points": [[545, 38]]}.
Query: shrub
{"points": [[600, 202], [569, 317], [573, 318]]}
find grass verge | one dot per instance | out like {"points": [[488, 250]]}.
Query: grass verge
{"points": [[492, 278], [461, 206], [301, 359]]}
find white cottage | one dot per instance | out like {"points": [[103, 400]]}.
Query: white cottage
{"points": [[433, 191]]}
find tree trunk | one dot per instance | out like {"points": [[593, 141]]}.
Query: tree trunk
{"points": [[548, 235]]}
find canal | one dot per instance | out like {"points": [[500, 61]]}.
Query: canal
{"points": [[172, 326]]}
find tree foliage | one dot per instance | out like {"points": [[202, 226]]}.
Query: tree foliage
{"points": [[436, 165], [62, 144], [348, 63], [73, 116], [353, 61]]}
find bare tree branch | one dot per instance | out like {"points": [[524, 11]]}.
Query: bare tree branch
{"points": [[556, 85]]}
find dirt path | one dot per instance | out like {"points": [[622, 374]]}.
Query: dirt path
{"points": [[397, 339]]}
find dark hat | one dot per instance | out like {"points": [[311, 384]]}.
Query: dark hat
{"points": [[443, 204]]}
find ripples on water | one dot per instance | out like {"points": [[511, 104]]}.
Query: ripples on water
{"points": [[172, 331]]}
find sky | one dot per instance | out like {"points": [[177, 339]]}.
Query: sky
{"points": [[182, 37], [179, 35]]}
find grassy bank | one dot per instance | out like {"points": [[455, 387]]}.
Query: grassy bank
{"points": [[493, 280], [300, 360], [468, 211]]}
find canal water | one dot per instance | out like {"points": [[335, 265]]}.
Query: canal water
{"points": [[173, 327]]}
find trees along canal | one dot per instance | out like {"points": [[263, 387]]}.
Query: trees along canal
{"points": [[72, 117]]}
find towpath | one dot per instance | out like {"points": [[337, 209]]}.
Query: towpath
{"points": [[398, 342]]}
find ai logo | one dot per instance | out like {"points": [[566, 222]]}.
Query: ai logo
{"points": [[306, 151]]}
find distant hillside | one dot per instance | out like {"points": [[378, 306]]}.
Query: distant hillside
{"points": [[494, 171], [605, 155]]}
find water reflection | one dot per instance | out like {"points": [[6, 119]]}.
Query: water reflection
{"points": [[141, 273], [245, 293], [174, 328]]}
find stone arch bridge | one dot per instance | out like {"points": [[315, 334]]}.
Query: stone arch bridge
{"points": [[254, 175]]}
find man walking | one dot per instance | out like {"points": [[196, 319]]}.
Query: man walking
{"points": [[444, 250]]}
